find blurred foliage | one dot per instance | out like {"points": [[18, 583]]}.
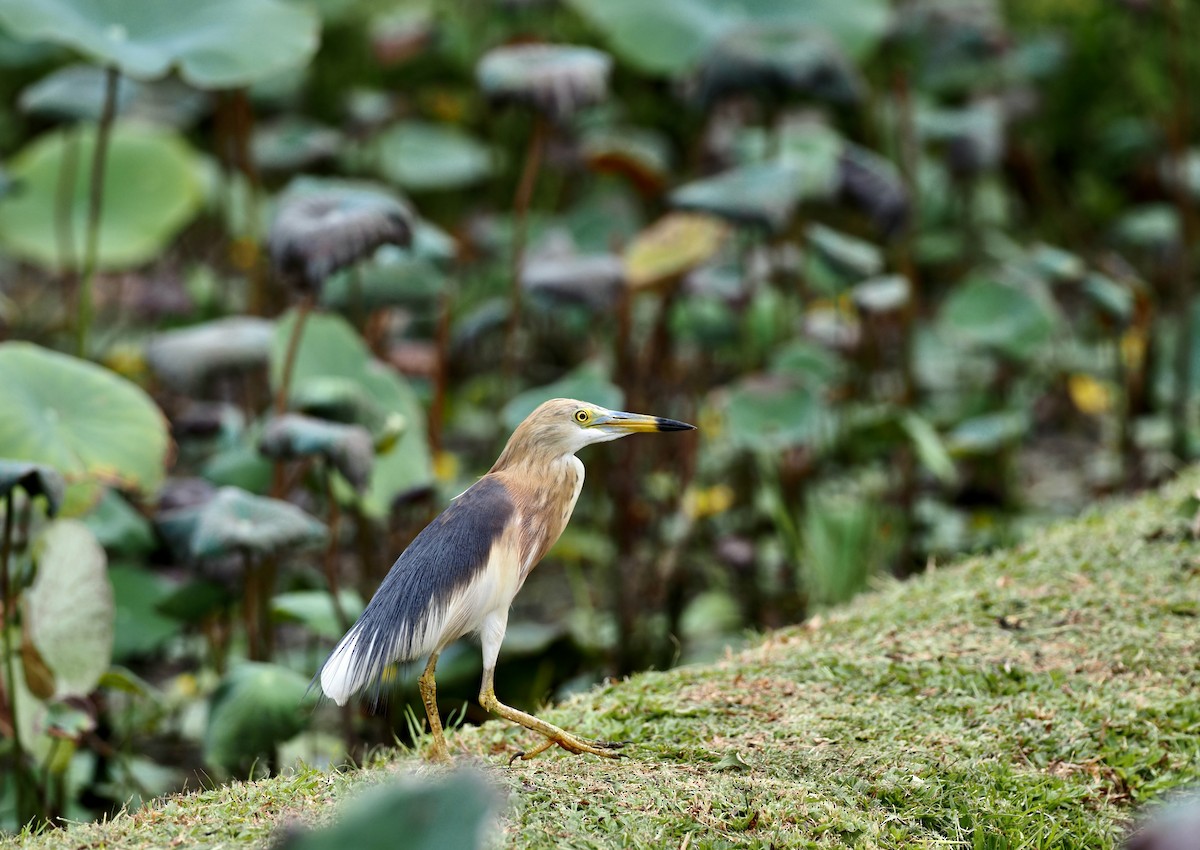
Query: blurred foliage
{"points": [[922, 271]]}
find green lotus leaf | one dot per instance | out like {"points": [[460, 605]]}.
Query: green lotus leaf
{"points": [[986, 434], [846, 255], [76, 92], [769, 413], [119, 527], [140, 627], [587, 383], [761, 195], [999, 316], [330, 348], [50, 417], [69, 608], [35, 479], [671, 36], [254, 708], [294, 142], [393, 277], [153, 189], [420, 157], [217, 44], [450, 812], [314, 608]]}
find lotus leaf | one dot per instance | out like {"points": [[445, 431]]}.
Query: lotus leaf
{"points": [[772, 414], [779, 61], [76, 92], [394, 276], [139, 625], [330, 349], [987, 434], [557, 79], [255, 707], [587, 382], [762, 195], [293, 143], [35, 479], [592, 279], [671, 247], [119, 527], [1000, 316], [155, 189], [643, 156], [348, 448], [186, 357], [235, 521], [217, 44], [69, 608], [420, 157], [50, 406], [852, 257], [314, 608]]}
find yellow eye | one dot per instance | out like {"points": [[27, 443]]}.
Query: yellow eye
{"points": [[582, 416]]}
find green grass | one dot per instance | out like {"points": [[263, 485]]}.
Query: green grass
{"points": [[1031, 698]]}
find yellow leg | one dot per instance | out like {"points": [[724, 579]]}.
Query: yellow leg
{"points": [[554, 735], [429, 696]]}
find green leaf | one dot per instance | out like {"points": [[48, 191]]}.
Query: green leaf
{"points": [[987, 434], [586, 383], [255, 707], [69, 608], [139, 626], [392, 277], [1005, 318], [153, 188], [671, 36], [35, 479], [314, 609], [771, 414], [330, 348], [119, 528], [51, 405], [762, 195], [420, 157], [216, 44], [733, 761], [929, 447], [449, 812], [852, 257]]}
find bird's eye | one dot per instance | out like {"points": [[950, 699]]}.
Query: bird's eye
{"points": [[582, 416]]}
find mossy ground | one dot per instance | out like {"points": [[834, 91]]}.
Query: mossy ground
{"points": [[1030, 698]]}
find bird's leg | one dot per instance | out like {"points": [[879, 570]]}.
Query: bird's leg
{"points": [[429, 696], [554, 735]]}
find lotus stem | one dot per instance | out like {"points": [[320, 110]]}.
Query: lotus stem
{"points": [[1178, 124], [64, 202], [441, 378], [95, 203], [520, 225], [289, 360], [330, 563], [242, 125]]}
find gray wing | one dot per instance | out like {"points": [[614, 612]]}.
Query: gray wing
{"points": [[450, 553]]}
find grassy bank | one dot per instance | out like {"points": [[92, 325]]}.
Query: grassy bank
{"points": [[1030, 698]]}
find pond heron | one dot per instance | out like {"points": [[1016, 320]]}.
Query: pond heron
{"points": [[461, 573]]}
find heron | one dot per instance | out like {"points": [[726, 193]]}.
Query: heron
{"points": [[461, 573]]}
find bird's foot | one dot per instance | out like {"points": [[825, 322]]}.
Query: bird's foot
{"points": [[573, 744]]}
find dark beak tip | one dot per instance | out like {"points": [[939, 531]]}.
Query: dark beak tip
{"points": [[673, 425]]}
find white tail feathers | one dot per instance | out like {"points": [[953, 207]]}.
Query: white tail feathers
{"points": [[344, 672]]}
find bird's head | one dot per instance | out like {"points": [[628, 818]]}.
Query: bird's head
{"points": [[565, 425]]}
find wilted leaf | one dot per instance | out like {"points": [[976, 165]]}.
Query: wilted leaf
{"points": [[733, 760], [586, 383], [215, 44], [256, 707], [35, 479], [872, 183], [779, 61], [349, 448], [421, 157], [1090, 395], [671, 247], [155, 189], [50, 417], [69, 608], [592, 279], [761, 195], [323, 226], [642, 156], [557, 79], [185, 357]]}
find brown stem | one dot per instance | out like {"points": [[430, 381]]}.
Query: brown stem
{"points": [[289, 360], [330, 562], [520, 224], [95, 203], [242, 124], [1178, 125], [250, 606]]}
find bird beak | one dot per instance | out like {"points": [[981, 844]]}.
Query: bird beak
{"points": [[631, 423]]}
